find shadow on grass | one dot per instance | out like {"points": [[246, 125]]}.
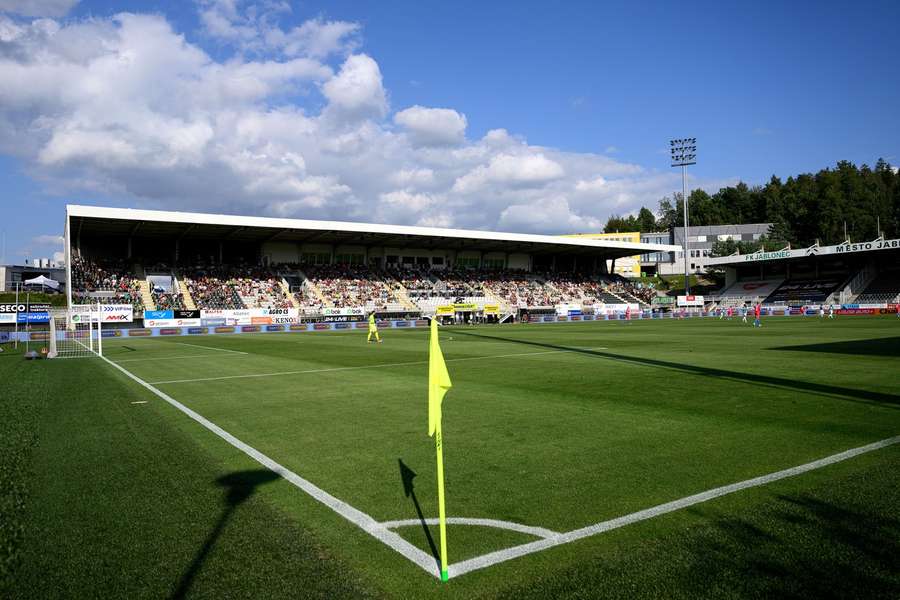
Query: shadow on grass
{"points": [[407, 475], [239, 487], [780, 382], [807, 547], [797, 546], [889, 346]]}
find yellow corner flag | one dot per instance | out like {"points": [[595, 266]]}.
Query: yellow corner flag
{"points": [[438, 384]]}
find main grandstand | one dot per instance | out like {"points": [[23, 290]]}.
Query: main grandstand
{"points": [[171, 261]]}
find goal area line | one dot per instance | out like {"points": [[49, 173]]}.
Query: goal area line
{"points": [[382, 530]]}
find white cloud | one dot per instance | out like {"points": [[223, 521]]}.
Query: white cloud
{"points": [[516, 170], [316, 38], [357, 90], [288, 123], [414, 177], [551, 214], [48, 240], [37, 8], [433, 126]]}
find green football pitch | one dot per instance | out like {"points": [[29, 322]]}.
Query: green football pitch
{"points": [[582, 460]]}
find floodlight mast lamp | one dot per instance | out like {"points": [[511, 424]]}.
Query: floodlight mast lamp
{"points": [[684, 153]]}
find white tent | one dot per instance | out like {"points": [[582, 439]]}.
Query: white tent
{"points": [[43, 281]]}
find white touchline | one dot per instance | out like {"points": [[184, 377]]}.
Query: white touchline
{"points": [[130, 360], [381, 366], [140, 402], [493, 558], [355, 516], [210, 348], [550, 539]]}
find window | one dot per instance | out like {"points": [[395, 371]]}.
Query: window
{"points": [[422, 260], [494, 263], [391, 259], [471, 261], [437, 260], [315, 258], [409, 260], [348, 259]]}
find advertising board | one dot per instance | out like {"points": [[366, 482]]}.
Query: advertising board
{"points": [[12, 307], [344, 312], [250, 316], [690, 300], [116, 313]]}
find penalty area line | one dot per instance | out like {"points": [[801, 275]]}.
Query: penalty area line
{"points": [[348, 512]]}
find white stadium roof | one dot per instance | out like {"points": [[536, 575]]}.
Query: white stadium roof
{"points": [[113, 222]]}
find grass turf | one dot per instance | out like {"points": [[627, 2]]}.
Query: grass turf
{"points": [[557, 426]]}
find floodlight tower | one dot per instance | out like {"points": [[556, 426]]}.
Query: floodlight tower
{"points": [[684, 153]]}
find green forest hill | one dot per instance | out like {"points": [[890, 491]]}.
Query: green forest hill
{"points": [[803, 210]]}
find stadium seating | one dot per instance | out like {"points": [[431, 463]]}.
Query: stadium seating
{"points": [[805, 291], [743, 292], [107, 282], [213, 288], [884, 288], [352, 286], [313, 288], [167, 300]]}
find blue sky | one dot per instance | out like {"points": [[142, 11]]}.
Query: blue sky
{"points": [[526, 116]]}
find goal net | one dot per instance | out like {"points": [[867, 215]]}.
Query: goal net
{"points": [[75, 332]]}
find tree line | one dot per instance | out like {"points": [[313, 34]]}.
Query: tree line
{"points": [[803, 210]]}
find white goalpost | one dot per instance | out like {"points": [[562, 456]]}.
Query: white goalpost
{"points": [[76, 332]]}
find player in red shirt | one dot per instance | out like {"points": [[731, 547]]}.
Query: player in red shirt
{"points": [[757, 311]]}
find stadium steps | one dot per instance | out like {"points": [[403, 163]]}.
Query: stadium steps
{"points": [[495, 299], [404, 298], [312, 287], [147, 295], [186, 297], [287, 291], [394, 285]]}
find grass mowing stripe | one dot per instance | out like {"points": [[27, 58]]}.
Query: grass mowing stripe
{"points": [[355, 516], [209, 347], [381, 366], [494, 558]]}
